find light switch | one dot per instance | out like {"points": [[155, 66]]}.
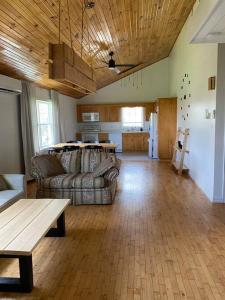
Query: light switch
{"points": [[207, 114]]}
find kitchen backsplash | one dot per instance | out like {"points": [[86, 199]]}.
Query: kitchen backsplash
{"points": [[111, 127]]}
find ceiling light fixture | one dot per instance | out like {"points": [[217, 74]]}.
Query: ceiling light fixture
{"points": [[89, 4]]}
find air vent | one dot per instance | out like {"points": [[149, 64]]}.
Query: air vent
{"points": [[8, 91]]}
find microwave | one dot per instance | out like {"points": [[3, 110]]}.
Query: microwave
{"points": [[90, 117]]}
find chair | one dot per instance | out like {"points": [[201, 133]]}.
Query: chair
{"points": [[71, 142], [70, 148], [104, 142], [88, 142], [54, 150], [94, 147]]}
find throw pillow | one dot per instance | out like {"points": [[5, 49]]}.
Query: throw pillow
{"points": [[48, 165], [3, 184], [91, 159], [70, 161], [103, 167]]}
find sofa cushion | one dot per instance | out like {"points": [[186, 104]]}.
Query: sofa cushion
{"points": [[70, 181], [48, 165], [63, 181], [103, 167], [3, 184], [70, 161], [91, 159], [10, 196], [88, 181]]}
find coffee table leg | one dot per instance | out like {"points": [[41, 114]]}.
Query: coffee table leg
{"points": [[60, 230], [26, 272], [24, 283]]}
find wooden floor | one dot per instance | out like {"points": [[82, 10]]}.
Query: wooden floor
{"points": [[161, 239]]}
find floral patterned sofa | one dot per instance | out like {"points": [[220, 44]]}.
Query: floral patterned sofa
{"points": [[85, 177]]}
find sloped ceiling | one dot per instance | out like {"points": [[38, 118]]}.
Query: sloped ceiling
{"points": [[140, 32]]}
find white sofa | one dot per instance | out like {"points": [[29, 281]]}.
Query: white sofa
{"points": [[17, 190]]}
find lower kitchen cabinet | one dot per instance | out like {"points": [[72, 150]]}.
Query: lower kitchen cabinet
{"points": [[136, 141], [103, 136], [78, 136]]}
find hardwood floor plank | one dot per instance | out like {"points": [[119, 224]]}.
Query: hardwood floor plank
{"points": [[161, 239]]}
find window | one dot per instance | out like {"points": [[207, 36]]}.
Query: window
{"points": [[44, 123], [133, 117]]}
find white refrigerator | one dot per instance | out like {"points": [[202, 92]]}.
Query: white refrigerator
{"points": [[153, 139]]}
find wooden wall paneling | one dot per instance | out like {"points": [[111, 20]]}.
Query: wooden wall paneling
{"points": [[167, 126], [130, 28]]}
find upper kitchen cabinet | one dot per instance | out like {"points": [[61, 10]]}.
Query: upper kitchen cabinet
{"points": [[149, 108], [114, 112], [111, 112], [85, 109]]}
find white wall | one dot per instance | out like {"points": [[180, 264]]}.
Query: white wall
{"points": [[155, 83], [11, 160], [200, 63], [68, 115]]}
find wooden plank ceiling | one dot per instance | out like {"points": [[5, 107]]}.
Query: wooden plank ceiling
{"points": [[138, 31]]}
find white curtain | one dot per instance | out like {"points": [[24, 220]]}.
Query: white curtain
{"points": [[33, 99], [58, 128], [26, 125]]}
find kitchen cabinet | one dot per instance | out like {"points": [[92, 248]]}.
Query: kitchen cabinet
{"points": [[103, 136], [111, 112], [114, 113], [149, 108], [135, 141], [78, 136]]}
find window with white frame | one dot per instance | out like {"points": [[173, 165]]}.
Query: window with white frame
{"points": [[44, 123], [133, 117]]}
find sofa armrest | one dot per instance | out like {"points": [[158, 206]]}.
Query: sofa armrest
{"points": [[15, 181], [118, 164], [111, 174]]}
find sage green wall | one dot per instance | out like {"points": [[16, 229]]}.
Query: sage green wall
{"points": [[155, 83], [199, 61]]}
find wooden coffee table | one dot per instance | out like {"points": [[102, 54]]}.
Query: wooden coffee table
{"points": [[22, 226]]}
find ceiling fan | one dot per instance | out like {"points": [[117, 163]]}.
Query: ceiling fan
{"points": [[111, 64]]}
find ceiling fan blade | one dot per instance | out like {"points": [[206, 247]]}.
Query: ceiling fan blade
{"points": [[126, 65], [117, 70]]}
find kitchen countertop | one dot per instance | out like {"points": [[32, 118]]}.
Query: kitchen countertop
{"points": [[119, 132]]}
